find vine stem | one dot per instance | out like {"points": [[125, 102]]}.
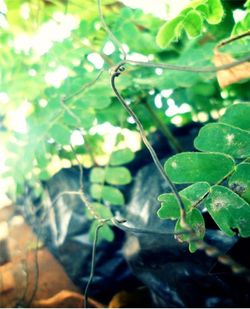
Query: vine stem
{"points": [[151, 150], [92, 270], [109, 32]]}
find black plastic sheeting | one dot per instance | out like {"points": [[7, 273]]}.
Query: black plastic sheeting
{"points": [[175, 277], [64, 228]]}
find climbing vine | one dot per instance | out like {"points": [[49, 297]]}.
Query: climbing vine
{"points": [[162, 74]]}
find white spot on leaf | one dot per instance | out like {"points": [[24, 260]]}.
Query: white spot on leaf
{"points": [[174, 165], [229, 138]]}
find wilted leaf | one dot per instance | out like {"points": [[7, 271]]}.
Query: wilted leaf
{"points": [[232, 75]]}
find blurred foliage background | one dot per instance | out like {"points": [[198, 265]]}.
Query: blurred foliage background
{"points": [[51, 54]]}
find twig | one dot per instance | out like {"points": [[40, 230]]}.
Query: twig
{"points": [[92, 270], [157, 162], [171, 67], [109, 32], [232, 39]]}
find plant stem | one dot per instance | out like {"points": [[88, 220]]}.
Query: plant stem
{"points": [[173, 142]]}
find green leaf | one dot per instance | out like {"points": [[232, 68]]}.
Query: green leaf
{"points": [[190, 196], [96, 191], [203, 9], [118, 176], [192, 24], [169, 206], [109, 194], [103, 211], [41, 155], [239, 182], [112, 195], [237, 115], [190, 167], [169, 31], [60, 134], [220, 137], [121, 157], [216, 12], [105, 232], [97, 175], [82, 116], [229, 211], [196, 192], [194, 219]]}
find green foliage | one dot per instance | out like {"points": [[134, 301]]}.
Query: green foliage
{"points": [[191, 19], [56, 93], [228, 200], [190, 167], [103, 179]]}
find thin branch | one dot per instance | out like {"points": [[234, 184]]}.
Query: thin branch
{"points": [[92, 270], [109, 32], [232, 39], [84, 87], [157, 162], [171, 67]]}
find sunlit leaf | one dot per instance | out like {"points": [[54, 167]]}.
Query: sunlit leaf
{"points": [[216, 12], [192, 24], [118, 176], [60, 134], [97, 175], [121, 157], [168, 32]]}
